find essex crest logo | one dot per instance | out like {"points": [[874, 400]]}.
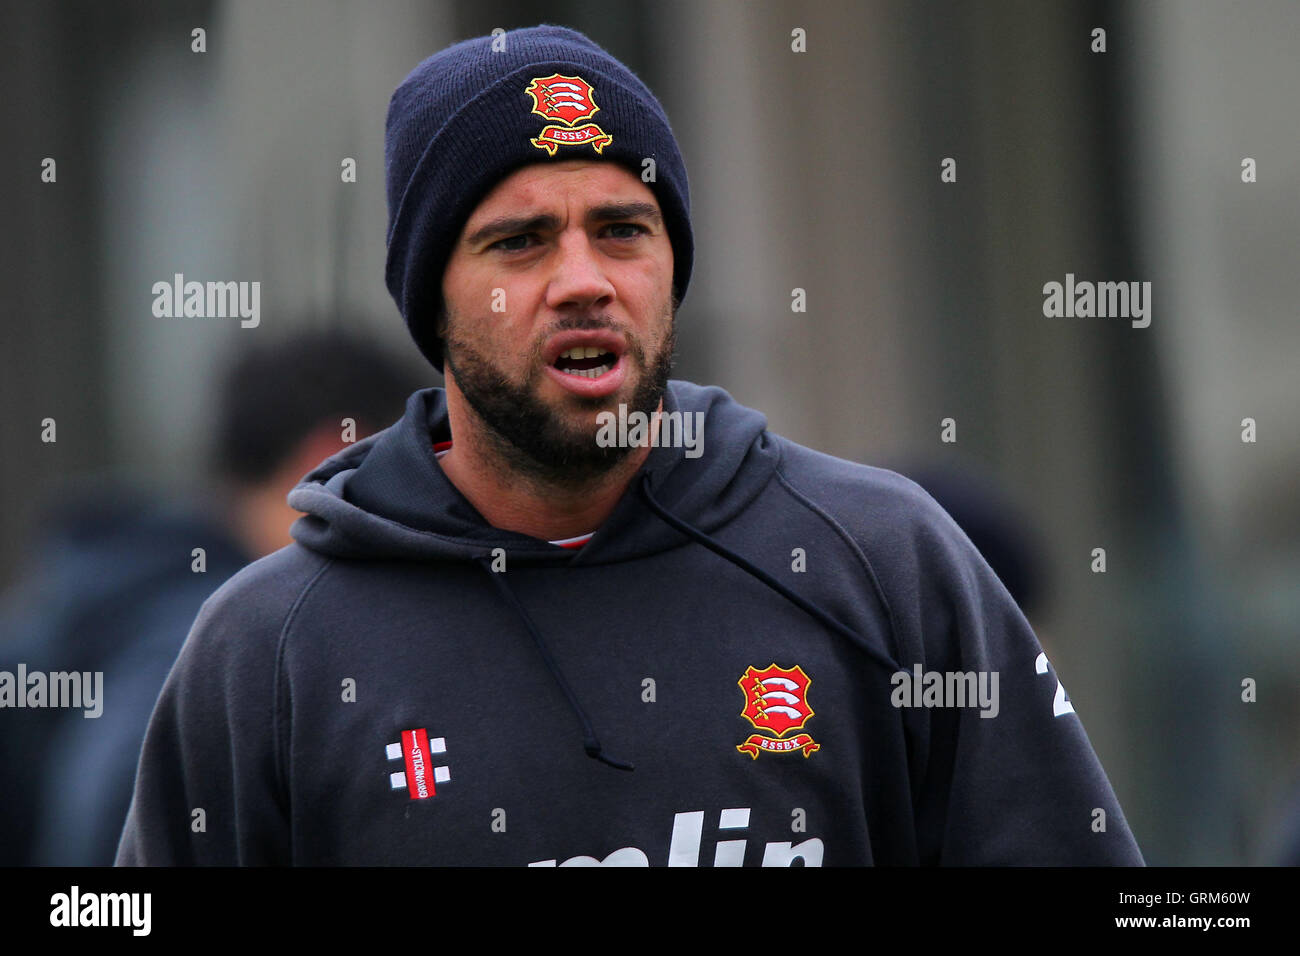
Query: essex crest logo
{"points": [[776, 700], [568, 100]]}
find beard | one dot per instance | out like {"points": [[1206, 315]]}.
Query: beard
{"points": [[545, 442]]}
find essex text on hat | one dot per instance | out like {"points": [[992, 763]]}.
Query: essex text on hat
{"points": [[208, 300]]}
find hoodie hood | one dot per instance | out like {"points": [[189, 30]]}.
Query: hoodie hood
{"points": [[386, 497]]}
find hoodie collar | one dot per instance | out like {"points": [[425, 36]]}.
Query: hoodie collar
{"points": [[387, 496]]}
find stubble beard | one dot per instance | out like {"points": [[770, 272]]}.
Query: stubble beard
{"points": [[540, 443]]}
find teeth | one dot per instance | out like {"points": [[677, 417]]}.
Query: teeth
{"points": [[581, 351], [589, 372]]}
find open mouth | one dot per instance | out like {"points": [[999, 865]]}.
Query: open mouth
{"points": [[586, 361]]}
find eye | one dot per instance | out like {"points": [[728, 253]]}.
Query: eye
{"points": [[514, 243], [637, 229]]}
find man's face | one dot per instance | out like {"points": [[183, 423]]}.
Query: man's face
{"points": [[560, 261]]}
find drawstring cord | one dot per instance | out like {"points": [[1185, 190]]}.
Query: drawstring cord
{"points": [[590, 742], [794, 598]]}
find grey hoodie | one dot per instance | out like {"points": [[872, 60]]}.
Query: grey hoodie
{"points": [[748, 647]]}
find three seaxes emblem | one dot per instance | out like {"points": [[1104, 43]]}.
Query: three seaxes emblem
{"points": [[567, 100], [776, 700]]}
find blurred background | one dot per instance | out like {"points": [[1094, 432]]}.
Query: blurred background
{"points": [[818, 170]]}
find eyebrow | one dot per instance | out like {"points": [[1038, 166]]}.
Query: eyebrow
{"points": [[504, 226]]}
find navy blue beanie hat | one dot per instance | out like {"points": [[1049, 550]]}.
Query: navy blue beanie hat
{"points": [[468, 116]]}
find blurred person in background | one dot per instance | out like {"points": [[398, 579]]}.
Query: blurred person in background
{"points": [[116, 582], [1004, 537]]}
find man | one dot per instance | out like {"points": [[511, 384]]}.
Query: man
{"points": [[117, 582], [534, 623]]}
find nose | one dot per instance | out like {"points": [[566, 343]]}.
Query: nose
{"points": [[579, 280]]}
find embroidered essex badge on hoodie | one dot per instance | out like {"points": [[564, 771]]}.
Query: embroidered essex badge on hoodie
{"points": [[776, 700]]}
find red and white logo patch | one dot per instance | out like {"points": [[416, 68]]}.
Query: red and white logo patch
{"points": [[776, 700], [568, 100], [420, 778]]}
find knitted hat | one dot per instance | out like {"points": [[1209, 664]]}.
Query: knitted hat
{"points": [[468, 116]]}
